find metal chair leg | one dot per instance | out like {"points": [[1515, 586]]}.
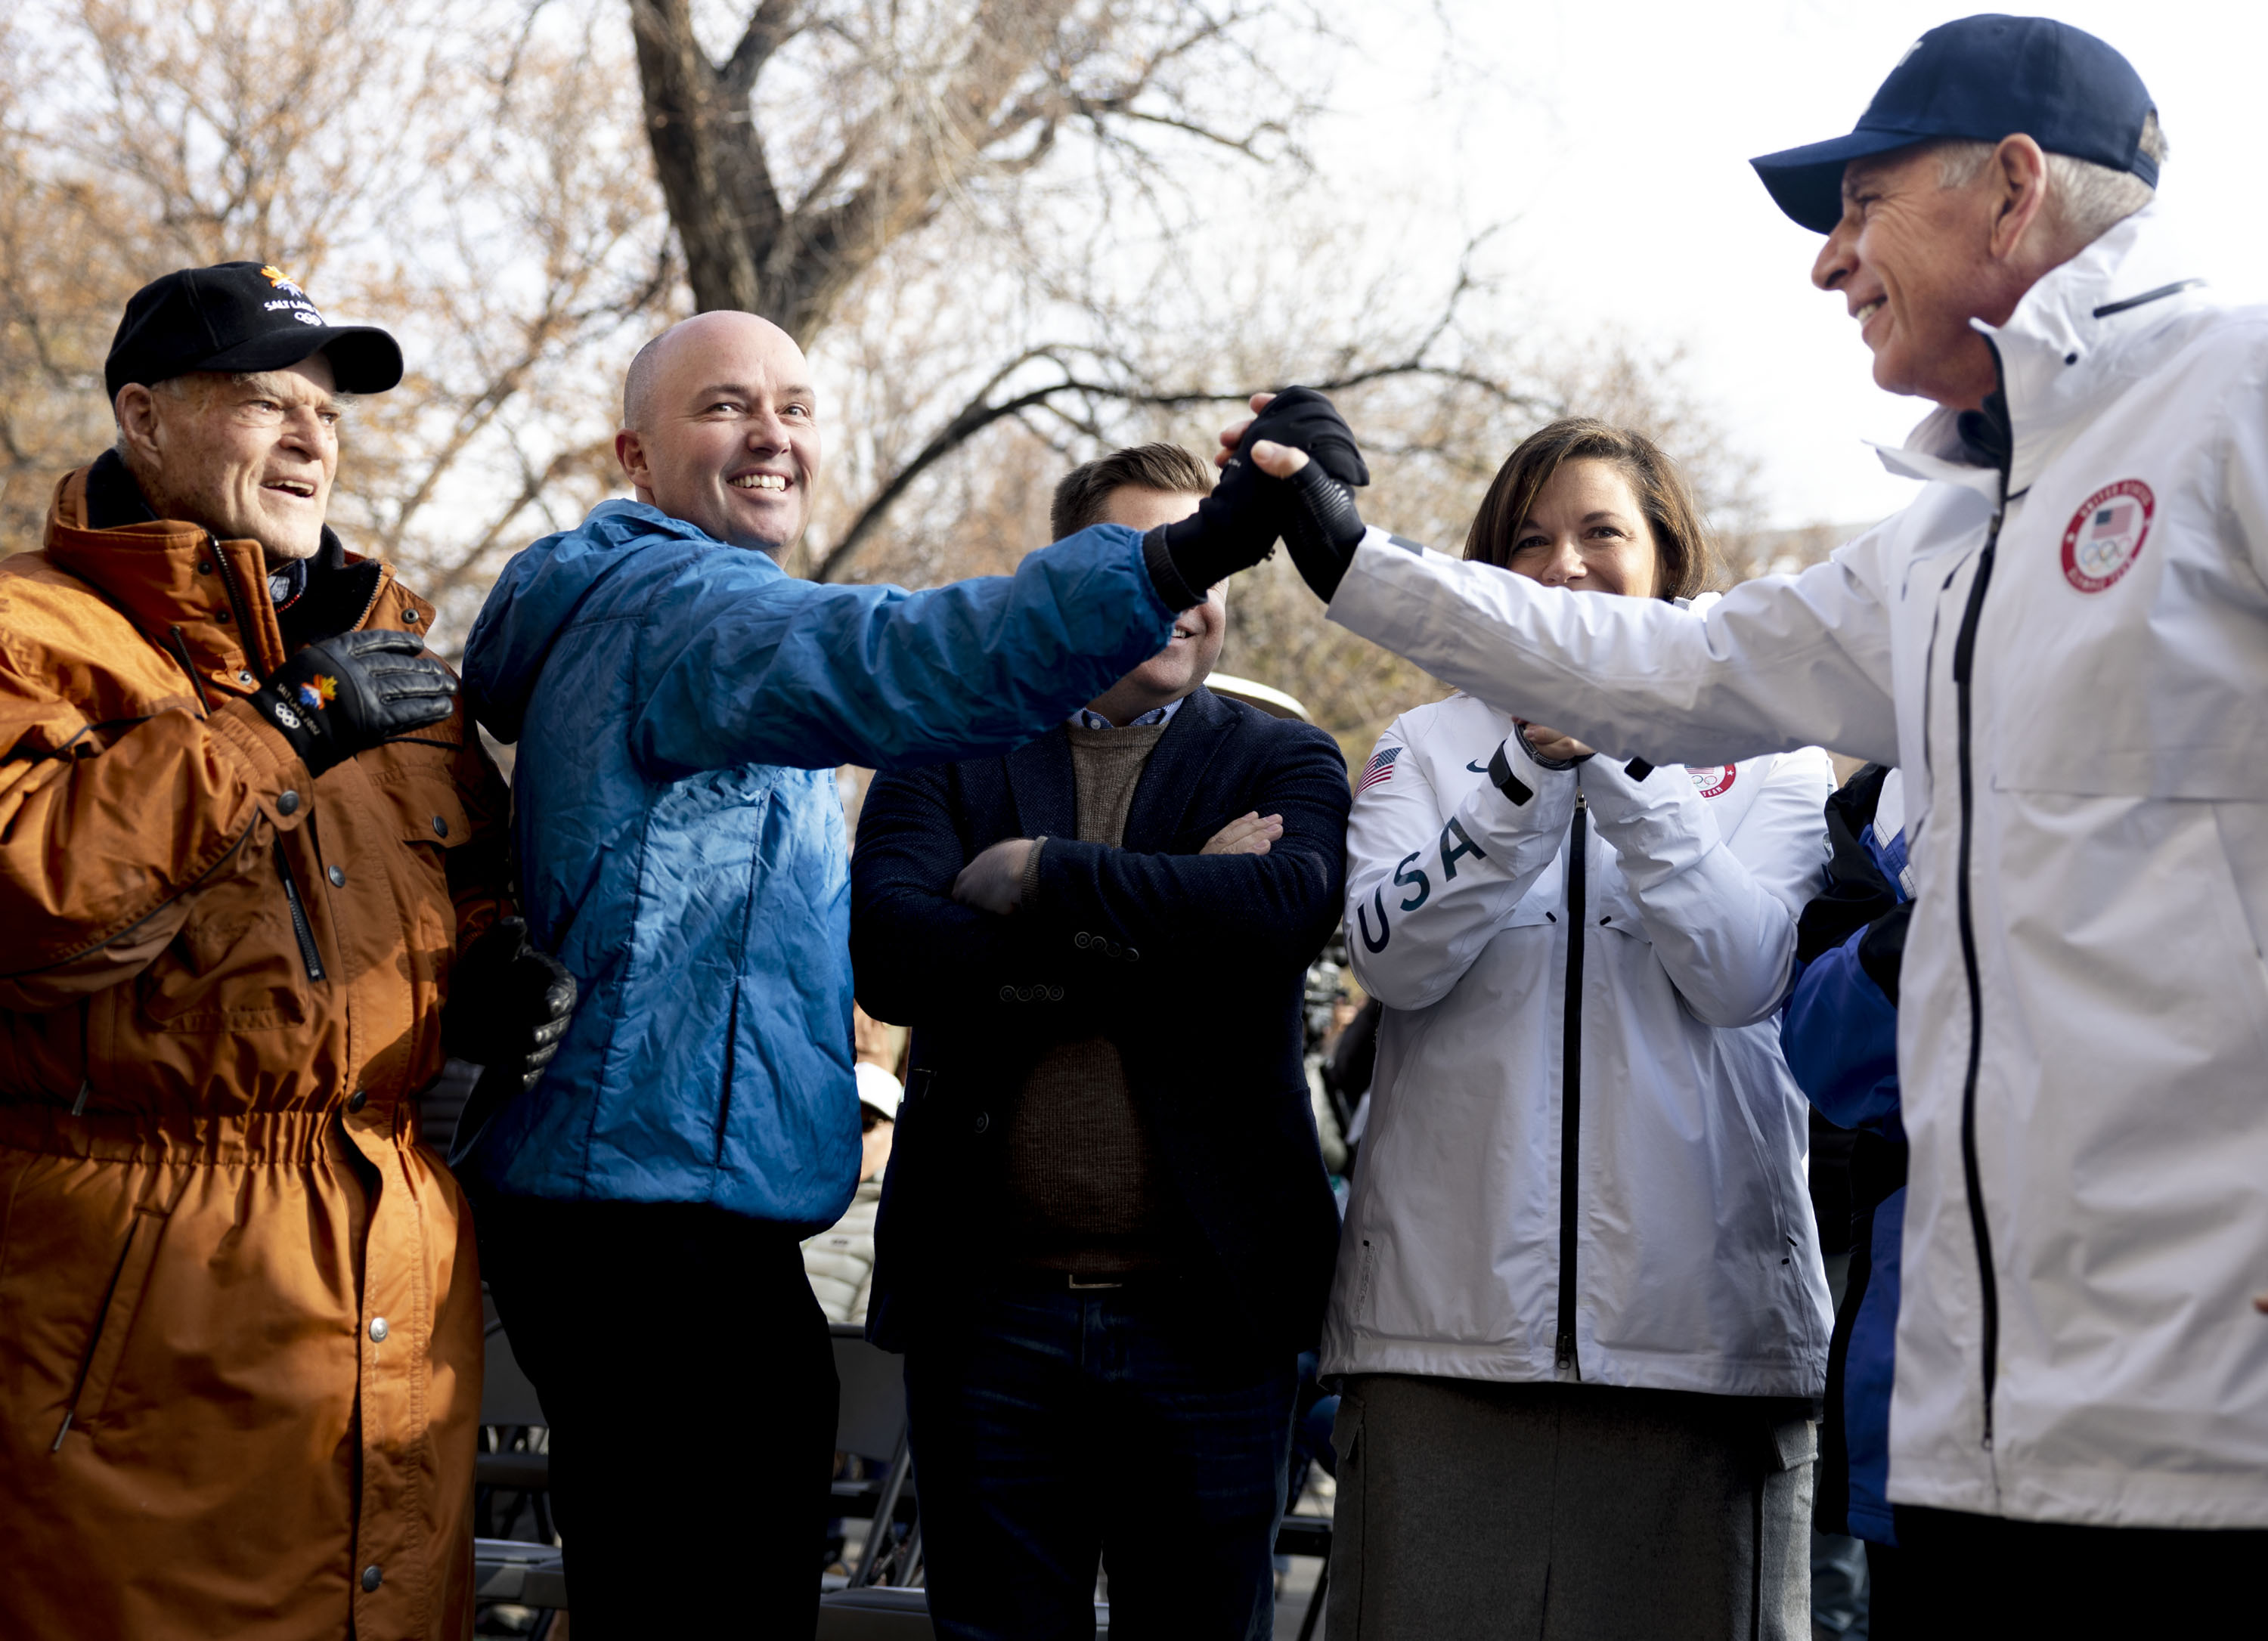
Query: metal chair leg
{"points": [[1315, 1603]]}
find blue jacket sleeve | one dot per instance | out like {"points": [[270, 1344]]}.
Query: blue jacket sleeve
{"points": [[741, 663], [1840, 1034]]}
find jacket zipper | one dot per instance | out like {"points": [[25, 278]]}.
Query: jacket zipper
{"points": [[245, 634], [1570, 1078], [181, 653], [94, 1339], [1964, 656], [300, 926]]}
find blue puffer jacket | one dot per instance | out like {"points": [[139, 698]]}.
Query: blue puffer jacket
{"points": [[681, 706]]}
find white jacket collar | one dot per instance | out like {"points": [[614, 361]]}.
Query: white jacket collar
{"points": [[2083, 330]]}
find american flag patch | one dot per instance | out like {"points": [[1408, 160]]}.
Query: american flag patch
{"points": [[1379, 769]]}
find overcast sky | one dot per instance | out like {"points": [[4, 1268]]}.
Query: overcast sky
{"points": [[1616, 138]]}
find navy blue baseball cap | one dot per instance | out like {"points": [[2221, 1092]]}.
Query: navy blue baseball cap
{"points": [[240, 316], [1978, 80]]}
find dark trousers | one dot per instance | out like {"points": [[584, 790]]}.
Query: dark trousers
{"points": [[1989, 1577], [1054, 1431], [689, 1382]]}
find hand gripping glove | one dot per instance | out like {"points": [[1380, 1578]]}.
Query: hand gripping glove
{"points": [[1314, 506], [509, 1004], [341, 696], [1237, 525]]}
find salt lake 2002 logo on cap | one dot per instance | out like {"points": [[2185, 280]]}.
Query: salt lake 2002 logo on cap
{"points": [[2105, 535]]}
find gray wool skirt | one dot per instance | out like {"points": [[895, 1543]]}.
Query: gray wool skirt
{"points": [[1569, 1512]]}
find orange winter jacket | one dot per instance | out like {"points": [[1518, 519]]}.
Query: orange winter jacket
{"points": [[240, 1310]]}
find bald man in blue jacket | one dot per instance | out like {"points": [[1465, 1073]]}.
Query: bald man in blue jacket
{"points": [[680, 703]]}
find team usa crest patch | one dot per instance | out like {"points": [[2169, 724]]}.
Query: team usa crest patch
{"points": [[1714, 780], [2105, 535], [1379, 770]]}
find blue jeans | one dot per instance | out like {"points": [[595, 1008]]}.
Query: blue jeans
{"points": [[1056, 1431]]}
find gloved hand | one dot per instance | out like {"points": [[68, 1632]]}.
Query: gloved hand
{"points": [[1234, 528], [1315, 507], [509, 1004], [341, 696]]}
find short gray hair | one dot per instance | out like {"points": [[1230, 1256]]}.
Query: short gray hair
{"points": [[2089, 199]]}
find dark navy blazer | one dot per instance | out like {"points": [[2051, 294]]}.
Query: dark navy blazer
{"points": [[1192, 965]]}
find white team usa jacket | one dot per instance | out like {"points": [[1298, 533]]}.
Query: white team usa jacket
{"points": [[1612, 1192], [2069, 661]]}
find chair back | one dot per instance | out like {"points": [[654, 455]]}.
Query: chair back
{"points": [[507, 1397], [871, 1416]]}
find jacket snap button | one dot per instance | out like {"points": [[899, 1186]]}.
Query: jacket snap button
{"points": [[1082, 940], [204, 569], [357, 1099], [440, 826], [378, 1330], [372, 1578], [1007, 994], [409, 618], [984, 1120], [1133, 956], [287, 804], [338, 877], [1055, 994], [222, 616]]}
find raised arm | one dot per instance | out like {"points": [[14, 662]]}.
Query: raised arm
{"points": [[1429, 880], [1775, 665], [1720, 911], [770, 669]]}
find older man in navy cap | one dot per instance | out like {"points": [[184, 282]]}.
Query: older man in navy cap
{"points": [[248, 846], [2064, 642]]}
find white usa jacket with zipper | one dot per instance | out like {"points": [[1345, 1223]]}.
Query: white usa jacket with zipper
{"points": [[2067, 655], [1611, 1192]]}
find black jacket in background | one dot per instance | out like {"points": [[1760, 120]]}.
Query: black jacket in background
{"points": [[1192, 965]]}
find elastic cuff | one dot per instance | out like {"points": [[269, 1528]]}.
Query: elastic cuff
{"points": [[1516, 772], [1027, 896], [1165, 576]]}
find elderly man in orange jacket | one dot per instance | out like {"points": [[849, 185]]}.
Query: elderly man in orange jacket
{"points": [[244, 833]]}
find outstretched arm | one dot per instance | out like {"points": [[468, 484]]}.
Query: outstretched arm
{"points": [[777, 670], [1777, 664]]}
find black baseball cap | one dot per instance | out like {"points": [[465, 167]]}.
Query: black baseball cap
{"points": [[1978, 80], [241, 316]]}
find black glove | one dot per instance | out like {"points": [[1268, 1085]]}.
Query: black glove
{"points": [[1315, 507], [1237, 525], [341, 696], [509, 1005]]}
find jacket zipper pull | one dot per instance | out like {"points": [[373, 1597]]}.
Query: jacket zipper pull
{"points": [[78, 1104]]}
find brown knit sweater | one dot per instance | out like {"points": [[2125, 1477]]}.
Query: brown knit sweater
{"points": [[1085, 1187]]}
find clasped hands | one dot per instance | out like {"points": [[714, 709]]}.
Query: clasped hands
{"points": [[994, 881]]}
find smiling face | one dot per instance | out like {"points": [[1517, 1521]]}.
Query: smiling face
{"points": [[1188, 658], [244, 456], [1914, 261], [726, 430], [1586, 530]]}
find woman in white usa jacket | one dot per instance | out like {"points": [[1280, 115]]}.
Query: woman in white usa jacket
{"points": [[1579, 1302]]}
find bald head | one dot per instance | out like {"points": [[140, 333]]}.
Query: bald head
{"points": [[720, 428]]}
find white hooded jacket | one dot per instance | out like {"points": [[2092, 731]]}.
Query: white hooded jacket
{"points": [[1654, 1230], [2069, 661]]}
